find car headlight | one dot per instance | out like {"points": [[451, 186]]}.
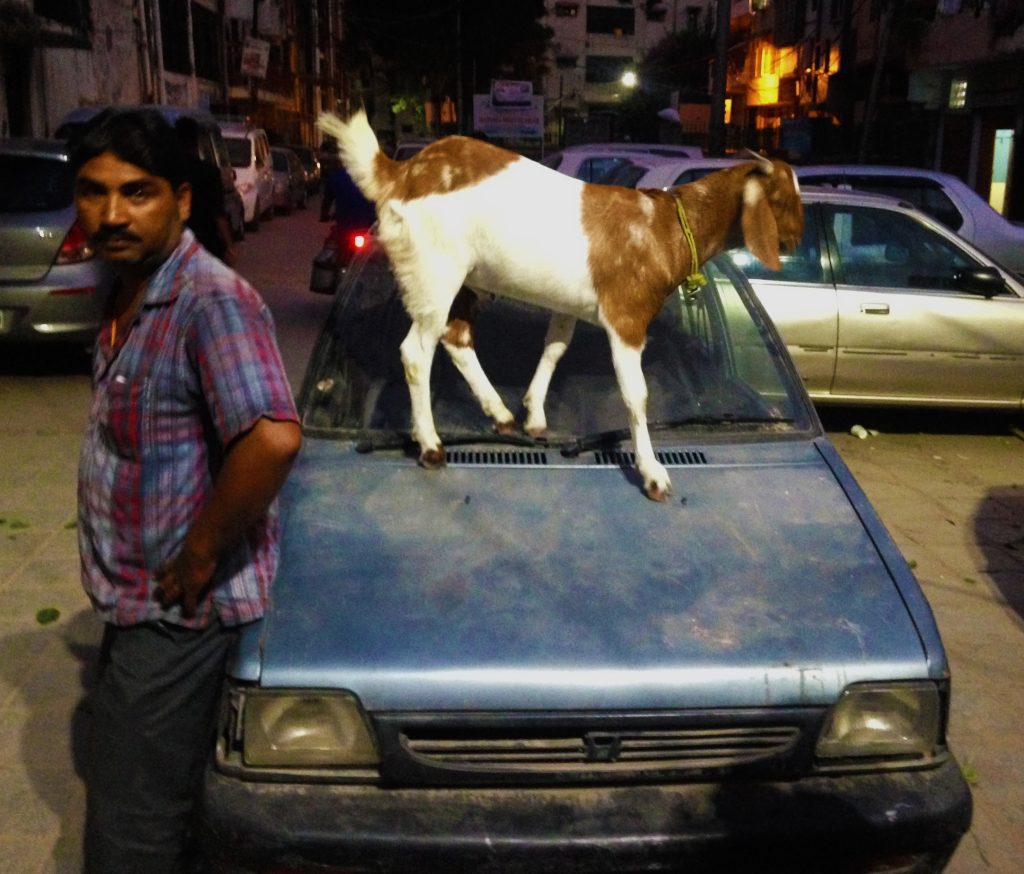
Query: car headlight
{"points": [[883, 720], [305, 728]]}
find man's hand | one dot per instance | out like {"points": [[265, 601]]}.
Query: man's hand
{"points": [[183, 579]]}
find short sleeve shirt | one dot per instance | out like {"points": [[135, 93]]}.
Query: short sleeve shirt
{"points": [[199, 367]]}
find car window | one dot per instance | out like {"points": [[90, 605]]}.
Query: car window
{"points": [[280, 161], [32, 184], [627, 174], [706, 355], [803, 265], [926, 194], [693, 175], [596, 169], [240, 150], [887, 249]]}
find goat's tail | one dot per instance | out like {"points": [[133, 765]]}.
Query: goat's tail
{"points": [[359, 152]]}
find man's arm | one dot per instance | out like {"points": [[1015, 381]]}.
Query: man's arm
{"points": [[253, 472]]}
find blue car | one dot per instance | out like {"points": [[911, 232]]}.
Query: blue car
{"points": [[518, 663]]}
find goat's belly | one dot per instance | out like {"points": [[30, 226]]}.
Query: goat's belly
{"points": [[577, 300]]}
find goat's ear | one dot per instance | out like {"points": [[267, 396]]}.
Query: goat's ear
{"points": [[760, 230]]}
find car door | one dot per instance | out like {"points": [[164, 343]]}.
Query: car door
{"points": [[907, 330], [801, 300]]}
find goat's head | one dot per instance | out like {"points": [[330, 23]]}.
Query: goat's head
{"points": [[772, 214]]}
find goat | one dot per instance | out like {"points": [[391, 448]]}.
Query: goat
{"points": [[465, 212]]}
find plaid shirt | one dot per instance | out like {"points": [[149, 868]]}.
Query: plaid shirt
{"points": [[199, 367]]}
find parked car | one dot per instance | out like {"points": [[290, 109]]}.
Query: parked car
{"points": [[593, 161], [669, 174], [941, 195], [631, 170], [310, 165], [212, 148], [882, 304], [50, 283], [254, 175], [289, 180], [518, 663]]}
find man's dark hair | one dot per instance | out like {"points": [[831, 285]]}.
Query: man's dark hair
{"points": [[138, 136]]}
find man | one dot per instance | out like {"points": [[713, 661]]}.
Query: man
{"points": [[191, 434]]}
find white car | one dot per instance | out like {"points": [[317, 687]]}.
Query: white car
{"points": [[254, 172], [944, 197], [679, 172], [593, 162]]}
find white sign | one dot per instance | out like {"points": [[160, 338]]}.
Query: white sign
{"points": [[255, 57], [508, 122]]}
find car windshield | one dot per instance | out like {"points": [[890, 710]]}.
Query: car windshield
{"points": [[34, 184], [280, 161], [240, 150], [711, 364]]}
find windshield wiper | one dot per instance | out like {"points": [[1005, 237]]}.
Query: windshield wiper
{"points": [[402, 440], [617, 435]]}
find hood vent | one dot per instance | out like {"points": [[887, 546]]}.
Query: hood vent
{"points": [[670, 458], [497, 457]]}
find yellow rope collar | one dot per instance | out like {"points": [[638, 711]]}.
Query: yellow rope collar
{"points": [[696, 278]]}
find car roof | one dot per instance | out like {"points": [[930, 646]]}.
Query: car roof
{"points": [[35, 146], [667, 149], [877, 170]]}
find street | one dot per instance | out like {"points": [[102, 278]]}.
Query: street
{"points": [[949, 486]]}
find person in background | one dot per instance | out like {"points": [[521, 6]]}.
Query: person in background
{"points": [[208, 219], [351, 209], [190, 436]]}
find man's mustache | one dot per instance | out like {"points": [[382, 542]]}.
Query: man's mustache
{"points": [[113, 235]]}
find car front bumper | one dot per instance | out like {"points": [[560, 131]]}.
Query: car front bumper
{"points": [[892, 821]]}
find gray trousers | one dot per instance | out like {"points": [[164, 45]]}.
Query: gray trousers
{"points": [[154, 713]]}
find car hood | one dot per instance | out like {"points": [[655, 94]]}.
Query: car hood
{"points": [[30, 243], [498, 586]]}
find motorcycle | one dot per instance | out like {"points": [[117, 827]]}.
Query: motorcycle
{"points": [[341, 245]]}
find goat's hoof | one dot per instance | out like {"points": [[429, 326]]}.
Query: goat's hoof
{"points": [[508, 427], [657, 491], [432, 459], [536, 431]]}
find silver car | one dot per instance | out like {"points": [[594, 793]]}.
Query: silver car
{"points": [[49, 280], [941, 195], [290, 190], [884, 304], [881, 304]]}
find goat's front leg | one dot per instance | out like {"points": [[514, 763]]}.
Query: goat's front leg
{"points": [[560, 330], [458, 341], [417, 351], [626, 359]]}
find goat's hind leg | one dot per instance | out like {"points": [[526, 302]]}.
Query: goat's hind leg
{"points": [[626, 359], [560, 331]]}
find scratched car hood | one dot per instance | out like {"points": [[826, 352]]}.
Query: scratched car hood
{"points": [[548, 586]]}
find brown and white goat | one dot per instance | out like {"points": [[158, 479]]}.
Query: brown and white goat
{"points": [[464, 212]]}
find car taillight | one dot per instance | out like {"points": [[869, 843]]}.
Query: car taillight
{"points": [[358, 241], [75, 249]]}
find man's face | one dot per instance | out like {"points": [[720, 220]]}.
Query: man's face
{"points": [[132, 218]]}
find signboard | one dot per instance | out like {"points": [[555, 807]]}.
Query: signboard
{"points": [[255, 57], [508, 122], [510, 92]]}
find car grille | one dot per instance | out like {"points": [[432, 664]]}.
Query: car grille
{"points": [[550, 749], [628, 750]]}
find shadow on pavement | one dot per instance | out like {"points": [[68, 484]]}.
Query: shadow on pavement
{"points": [[999, 532], [54, 669], [44, 359], [920, 421]]}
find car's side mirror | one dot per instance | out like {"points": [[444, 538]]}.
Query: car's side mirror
{"points": [[986, 281]]}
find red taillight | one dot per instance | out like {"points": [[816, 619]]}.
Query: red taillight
{"points": [[75, 249], [359, 241], [67, 292]]}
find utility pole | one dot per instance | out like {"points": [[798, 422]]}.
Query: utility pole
{"points": [[716, 145], [881, 54]]}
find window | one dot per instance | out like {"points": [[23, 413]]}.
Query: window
{"points": [[603, 69], [883, 249], [611, 20], [567, 10], [803, 265], [596, 169], [958, 94]]}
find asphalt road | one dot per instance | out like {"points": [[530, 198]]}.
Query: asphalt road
{"points": [[950, 488]]}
